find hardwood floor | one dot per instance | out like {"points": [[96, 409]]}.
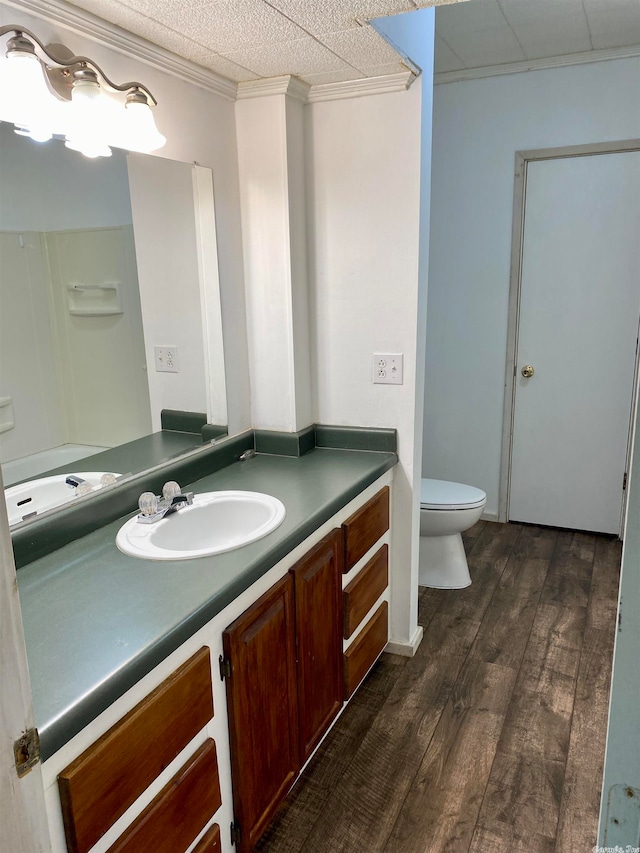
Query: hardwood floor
{"points": [[491, 739]]}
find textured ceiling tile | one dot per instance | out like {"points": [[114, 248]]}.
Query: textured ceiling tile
{"points": [[326, 16], [112, 10], [361, 47], [384, 70], [613, 24], [478, 33], [222, 25], [445, 59], [548, 27], [223, 66], [130, 19], [299, 57]]}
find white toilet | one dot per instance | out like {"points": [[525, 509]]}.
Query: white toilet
{"points": [[446, 509]]}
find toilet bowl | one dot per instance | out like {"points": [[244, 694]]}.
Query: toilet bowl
{"points": [[446, 510]]}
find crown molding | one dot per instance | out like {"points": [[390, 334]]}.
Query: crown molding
{"points": [[127, 43], [538, 64], [359, 88], [284, 85]]}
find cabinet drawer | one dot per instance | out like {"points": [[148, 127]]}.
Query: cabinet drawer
{"points": [[185, 805], [361, 655], [101, 784], [364, 590], [365, 527], [210, 841]]}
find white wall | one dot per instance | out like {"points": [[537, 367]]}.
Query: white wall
{"points": [[478, 126], [364, 207]]}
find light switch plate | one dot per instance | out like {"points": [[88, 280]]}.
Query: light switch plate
{"points": [[388, 368]]}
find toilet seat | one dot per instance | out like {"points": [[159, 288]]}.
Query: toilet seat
{"points": [[443, 495]]}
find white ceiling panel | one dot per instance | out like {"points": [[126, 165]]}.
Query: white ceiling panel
{"points": [[384, 70], [478, 33], [329, 16], [363, 46], [299, 57], [223, 25], [548, 27], [613, 23], [226, 68], [445, 59]]}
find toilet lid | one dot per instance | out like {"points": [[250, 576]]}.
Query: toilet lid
{"points": [[440, 494]]}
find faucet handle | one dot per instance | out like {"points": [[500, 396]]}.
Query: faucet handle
{"points": [[170, 490], [148, 504]]}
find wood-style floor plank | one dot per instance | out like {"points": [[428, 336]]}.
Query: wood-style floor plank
{"points": [[539, 718], [502, 838], [491, 739], [578, 821], [605, 581], [568, 580], [524, 792], [442, 804]]}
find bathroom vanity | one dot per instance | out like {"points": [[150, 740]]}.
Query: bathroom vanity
{"points": [[177, 701]]}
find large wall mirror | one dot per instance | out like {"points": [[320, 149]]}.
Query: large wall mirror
{"points": [[109, 306]]}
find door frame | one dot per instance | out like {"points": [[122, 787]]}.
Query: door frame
{"points": [[522, 160]]}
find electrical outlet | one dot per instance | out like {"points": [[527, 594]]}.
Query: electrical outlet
{"points": [[388, 368], [166, 359]]}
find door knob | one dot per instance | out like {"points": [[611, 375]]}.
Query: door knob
{"points": [[527, 371]]}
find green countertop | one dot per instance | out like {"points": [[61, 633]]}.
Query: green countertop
{"points": [[96, 621]]}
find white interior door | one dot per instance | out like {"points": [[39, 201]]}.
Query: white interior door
{"points": [[578, 328]]}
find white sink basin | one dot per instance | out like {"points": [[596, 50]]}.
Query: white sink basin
{"points": [[214, 523], [37, 496]]}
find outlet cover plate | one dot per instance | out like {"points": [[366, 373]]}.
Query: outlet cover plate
{"points": [[166, 359], [388, 368]]}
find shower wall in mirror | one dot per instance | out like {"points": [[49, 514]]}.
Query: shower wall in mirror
{"points": [[100, 263]]}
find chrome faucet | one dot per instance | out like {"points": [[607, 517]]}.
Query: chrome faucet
{"points": [[156, 507]]}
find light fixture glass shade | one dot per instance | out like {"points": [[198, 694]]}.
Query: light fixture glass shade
{"points": [[26, 100], [138, 131], [86, 131]]}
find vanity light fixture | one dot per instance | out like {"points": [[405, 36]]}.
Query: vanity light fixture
{"points": [[47, 91]]}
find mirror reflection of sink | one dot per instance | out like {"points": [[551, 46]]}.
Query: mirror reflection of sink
{"points": [[216, 522], [36, 496]]}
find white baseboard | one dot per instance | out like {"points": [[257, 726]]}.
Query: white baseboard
{"points": [[490, 516], [406, 650]]}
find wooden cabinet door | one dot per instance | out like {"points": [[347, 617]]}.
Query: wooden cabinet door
{"points": [[262, 704], [318, 600]]}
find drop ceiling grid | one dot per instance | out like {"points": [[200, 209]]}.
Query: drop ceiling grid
{"points": [[330, 16], [486, 33], [561, 27], [299, 58], [222, 26], [478, 33], [444, 57], [613, 24]]}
